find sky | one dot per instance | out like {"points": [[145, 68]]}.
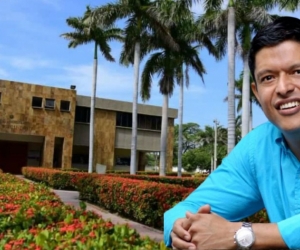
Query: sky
{"points": [[32, 51]]}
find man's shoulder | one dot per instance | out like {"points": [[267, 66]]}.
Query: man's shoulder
{"points": [[265, 130], [264, 134]]}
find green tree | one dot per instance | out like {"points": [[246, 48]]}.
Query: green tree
{"points": [[175, 64], [243, 18], [86, 30], [190, 139], [140, 18]]}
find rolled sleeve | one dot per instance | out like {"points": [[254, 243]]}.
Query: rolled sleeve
{"points": [[290, 231]]}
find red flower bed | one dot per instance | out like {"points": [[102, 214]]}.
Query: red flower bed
{"points": [[33, 217]]}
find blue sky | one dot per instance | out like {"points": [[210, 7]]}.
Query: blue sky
{"points": [[32, 51]]}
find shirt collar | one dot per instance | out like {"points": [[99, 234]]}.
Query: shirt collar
{"points": [[280, 141]]}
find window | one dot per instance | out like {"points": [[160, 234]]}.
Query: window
{"points": [[64, 105], [82, 114], [123, 161], [144, 121], [80, 159], [149, 122], [37, 102], [124, 119], [49, 104]]}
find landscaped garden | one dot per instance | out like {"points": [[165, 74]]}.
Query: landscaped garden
{"points": [[33, 217]]}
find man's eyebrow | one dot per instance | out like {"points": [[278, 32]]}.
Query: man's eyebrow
{"points": [[265, 71], [294, 66]]}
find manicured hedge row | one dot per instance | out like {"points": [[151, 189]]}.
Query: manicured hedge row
{"points": [[143, 201], [57, 179], [140, 200], [188, 182], [33, 217], [147, 173]]}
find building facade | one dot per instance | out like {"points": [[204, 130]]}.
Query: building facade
{"points": [[49, 127]]}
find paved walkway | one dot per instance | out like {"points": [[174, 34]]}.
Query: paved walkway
{"points": [[72, 198]]}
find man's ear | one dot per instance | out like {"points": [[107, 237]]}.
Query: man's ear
{"points": [[255, 91]]}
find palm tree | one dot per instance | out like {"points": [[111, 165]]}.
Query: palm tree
{"points": [[184, 31], [239, 98], [86, 31], [215, 19], [141, 17], [249, 18], [172, 65]]}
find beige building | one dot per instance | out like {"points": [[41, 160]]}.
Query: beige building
{"points": [[48, 126]]}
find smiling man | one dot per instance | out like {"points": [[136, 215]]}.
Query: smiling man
{"points": [[262, 171]]}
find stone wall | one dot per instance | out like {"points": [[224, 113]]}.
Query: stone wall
{"points": [[17, 116], [104, 140]]}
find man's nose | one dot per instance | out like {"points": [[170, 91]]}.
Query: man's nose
{"points": [[285, 84]]}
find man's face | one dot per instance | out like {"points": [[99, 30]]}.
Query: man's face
{"points": [[277, 74]]}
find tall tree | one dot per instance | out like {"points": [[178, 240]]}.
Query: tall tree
{"points": [[246, 17], [140, 18], [183, 29], [168, 64], [86, 30], [239, 99]]}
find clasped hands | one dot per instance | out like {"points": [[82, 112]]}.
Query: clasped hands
{"points": [[203, 230]]}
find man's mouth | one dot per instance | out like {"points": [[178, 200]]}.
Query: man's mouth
{"points": [[289, 105]]}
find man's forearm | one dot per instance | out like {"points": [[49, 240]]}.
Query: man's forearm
{"points": [[267, 236]]}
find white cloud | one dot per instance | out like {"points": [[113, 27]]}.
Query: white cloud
{"points": [[111, 83], [23, 63]]}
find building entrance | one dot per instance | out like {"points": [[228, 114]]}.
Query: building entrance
{"points": [[13, 156]]}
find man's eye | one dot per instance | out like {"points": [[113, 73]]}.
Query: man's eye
{"points": [[297, 71], [266, 78]]}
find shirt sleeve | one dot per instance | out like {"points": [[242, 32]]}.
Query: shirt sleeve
{"points": [[231, 191], [290, 231]]}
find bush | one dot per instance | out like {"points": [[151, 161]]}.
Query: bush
{"points": [[33, 217]]}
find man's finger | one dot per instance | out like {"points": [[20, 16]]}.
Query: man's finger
{"points": [[204, 209], [178, 243]]}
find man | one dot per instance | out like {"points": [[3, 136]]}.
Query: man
{"points": [[262, 171]]}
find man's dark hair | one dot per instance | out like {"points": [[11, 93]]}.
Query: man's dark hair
{"points": [[282, 29]]}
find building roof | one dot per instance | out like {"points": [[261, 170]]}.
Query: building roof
{"points": [[122, 106]]}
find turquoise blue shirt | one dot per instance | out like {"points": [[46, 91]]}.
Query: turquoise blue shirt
{"points": [[260, 171]]}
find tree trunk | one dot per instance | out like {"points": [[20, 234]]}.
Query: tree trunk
{"points": [[245, 97], [180, 120], [163, 137], [231, 78], [137, 57], [92, 114], [251, 116]]}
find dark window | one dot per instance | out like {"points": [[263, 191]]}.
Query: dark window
{"points": [[49, 103], [149, 122], [125, 161], [82, 114], [80, 159], [144, 121], [124, 119], [64, 105], [37, 102]]}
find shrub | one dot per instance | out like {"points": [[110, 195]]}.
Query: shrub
{"points": [[33, 217]]}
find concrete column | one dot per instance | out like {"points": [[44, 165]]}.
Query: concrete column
{"points": [[48, 152], [67, 153]]}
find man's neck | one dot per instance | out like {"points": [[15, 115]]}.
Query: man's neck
{"points": [[293, 141]]}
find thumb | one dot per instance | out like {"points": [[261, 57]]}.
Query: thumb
{"points": [[204, 209]]}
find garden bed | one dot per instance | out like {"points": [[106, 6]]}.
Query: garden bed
{"points": [[33, 217]]}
